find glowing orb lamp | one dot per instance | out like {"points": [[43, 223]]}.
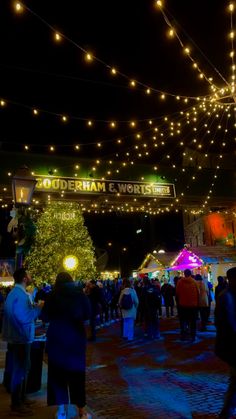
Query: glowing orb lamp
{"points": [[70, 262]]}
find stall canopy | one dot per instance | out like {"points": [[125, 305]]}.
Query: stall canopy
{"points": [[185, 260], [150, 264]]}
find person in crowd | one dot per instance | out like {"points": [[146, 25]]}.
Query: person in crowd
{"points": [[2, 299], [158, 284], [140, 310], [107, 297], [97, 302], [225, 343], [203, 301], [221, 286], [66, 309], [175, 281], [210, 298], [115, 290], [167, 291], [187, 293], [151, 297], [128, 302], [43, 292], [19, 330]]}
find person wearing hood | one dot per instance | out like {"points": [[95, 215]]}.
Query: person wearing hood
{"points": [[225, 343], [66, 309]]}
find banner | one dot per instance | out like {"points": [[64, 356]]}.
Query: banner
{"points": [[95, 186]]}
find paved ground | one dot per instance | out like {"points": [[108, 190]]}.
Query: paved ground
{"points": [[142, 379]]}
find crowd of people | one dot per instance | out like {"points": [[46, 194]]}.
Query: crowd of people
{"points": [[68, 306]]}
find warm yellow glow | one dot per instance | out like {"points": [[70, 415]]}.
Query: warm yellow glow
{"points": [[18, 7], [88, 57], [148, 91], [70, 262], [171, 33], [159, 3], [187, 50], [77, 147], [35, 112], [231, 7], [231, 35], [64, 118], [57, 37], [113, 124], [52, 148], [90, 123], [133, 83], [26, 147], [3, 103], [99, 145], [113, 71]]}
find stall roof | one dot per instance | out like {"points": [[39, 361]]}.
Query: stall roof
{"points": [[150, 264], [186, 259], [207, 254]]}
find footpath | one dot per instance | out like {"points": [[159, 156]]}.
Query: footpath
{"points": [[145, 379]]}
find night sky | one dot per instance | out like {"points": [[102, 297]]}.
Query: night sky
{"points": [[36, 72]]}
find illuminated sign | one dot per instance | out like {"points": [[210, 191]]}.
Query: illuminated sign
{"points": [[96, 186]]}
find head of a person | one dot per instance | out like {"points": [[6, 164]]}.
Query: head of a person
{"points": [[220, 280], [146, 280], [126, 283], [22, 277], [92, 283], [198, 277], [231, 276], [62, 279], [187, 273]]}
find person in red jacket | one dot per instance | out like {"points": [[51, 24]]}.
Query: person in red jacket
{"points": [[187, 293]]}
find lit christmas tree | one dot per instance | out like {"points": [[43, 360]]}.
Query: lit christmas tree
{"points": [[61, 232]]}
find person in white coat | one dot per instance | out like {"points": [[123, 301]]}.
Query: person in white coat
{"points": [[129, 311]]}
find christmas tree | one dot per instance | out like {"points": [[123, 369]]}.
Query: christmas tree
{"points": [[60, 232]]}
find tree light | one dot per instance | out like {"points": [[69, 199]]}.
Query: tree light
{"points": [[70, 263]]}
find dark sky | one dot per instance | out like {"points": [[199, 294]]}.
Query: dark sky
{"points": [[36, 72], [130, 35]]}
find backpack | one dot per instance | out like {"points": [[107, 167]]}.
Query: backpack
{"points": [[126, 302]]}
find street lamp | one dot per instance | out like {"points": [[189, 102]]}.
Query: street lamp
{"points": [[23, 185]]}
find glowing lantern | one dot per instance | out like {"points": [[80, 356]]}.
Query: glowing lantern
{"points": [[70, 263]]}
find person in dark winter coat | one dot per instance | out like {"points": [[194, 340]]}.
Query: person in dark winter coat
{"points": [[66, 309], [168, 291], [221, 285], [225, 344], [98, 304], [151, 296]]}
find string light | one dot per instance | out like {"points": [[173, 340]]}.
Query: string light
{"points": [[18, 7], [88, 57]]}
